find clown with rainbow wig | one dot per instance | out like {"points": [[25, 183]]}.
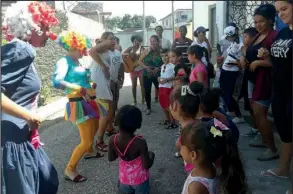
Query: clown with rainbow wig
{"points": [[26, 169], [82, 109]]}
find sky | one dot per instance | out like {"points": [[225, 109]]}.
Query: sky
{"points": [[158, 9]]}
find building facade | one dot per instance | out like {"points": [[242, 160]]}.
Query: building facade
{"points": [[181, 17]]}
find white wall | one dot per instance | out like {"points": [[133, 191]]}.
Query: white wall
{"points": [[201, 13], [84, 25], [125, 37], [221, 7]]}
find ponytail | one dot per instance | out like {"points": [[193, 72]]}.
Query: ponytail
{"points": [[232, 177]]}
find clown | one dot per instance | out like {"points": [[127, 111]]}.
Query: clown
{"points": [[26, 168], [81, 109]]}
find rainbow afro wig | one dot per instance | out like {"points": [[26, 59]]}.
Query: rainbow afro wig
{"points": [[70, 40], [23, 17]]}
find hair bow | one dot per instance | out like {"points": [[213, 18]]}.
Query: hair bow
{"points": [[216, 132], [219, 124]]}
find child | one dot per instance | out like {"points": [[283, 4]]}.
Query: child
{"points": [[247, 86], [132, 151], [209, 108], [202, 146], [199, 72], [165, 86]]}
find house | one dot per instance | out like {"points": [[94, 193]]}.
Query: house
{"points": [[181, 17], [91, 10]]}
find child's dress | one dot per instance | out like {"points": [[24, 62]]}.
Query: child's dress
{"points": [[210, 184], [131, 173]]}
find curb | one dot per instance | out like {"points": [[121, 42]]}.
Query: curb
{"points": [[49, 110]]}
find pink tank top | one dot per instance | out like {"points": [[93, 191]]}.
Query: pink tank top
{"points": [[200, 68], [131, 172]]}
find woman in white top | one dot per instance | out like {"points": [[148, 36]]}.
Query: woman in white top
{"points": [[201, 40], [164, 43], [100, 74]]}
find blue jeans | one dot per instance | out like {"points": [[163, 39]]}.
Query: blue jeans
{"points": [[143, 188]]}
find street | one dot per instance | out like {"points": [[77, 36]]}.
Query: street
{"points": [[167, 174]]}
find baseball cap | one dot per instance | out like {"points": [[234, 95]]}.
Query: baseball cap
{"points": [[200, 29], [229, 31], [233, 24]]}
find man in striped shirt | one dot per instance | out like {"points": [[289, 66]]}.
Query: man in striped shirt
{"points": [[182, 43]]}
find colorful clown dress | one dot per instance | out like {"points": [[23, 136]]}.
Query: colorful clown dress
{"points": [[68, 75]]}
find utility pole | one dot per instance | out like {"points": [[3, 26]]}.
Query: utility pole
{"points": [[173, 21], [192, 26], [145, 36]]}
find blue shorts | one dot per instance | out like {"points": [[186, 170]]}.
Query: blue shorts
{"points": [[143, 188]]}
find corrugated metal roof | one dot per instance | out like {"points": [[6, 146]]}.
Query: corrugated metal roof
{"points": [[87, 7]]}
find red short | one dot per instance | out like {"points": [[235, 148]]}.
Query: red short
{"points": [[136, 74], [164, 94]]}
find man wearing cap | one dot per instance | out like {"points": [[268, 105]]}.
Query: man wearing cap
{"points": [[164, 42], [201, 39]]}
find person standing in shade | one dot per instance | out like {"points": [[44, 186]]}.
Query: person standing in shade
{"points": [[182, 43], [164, 42]]}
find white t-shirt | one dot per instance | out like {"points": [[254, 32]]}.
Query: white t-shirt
{"points": [[165, 43], [103, 90], [116, 60], [167, 71], [203, 44], [233, 54], [224, 46]]}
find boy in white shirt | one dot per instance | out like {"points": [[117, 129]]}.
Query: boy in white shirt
{"points": [[165, 86]]}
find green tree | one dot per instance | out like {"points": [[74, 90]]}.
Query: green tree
{"points": [[128, 21]]}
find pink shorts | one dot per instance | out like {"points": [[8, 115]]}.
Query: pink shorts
{"points": [[136, 74], [164, 94]]}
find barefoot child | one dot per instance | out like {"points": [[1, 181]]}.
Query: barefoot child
{"points": [[202, 146], [134, 158], [165, 87]]}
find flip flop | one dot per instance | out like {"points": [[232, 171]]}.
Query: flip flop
{"points": [[77, 179], [102, 147], [272, 174], [98, 155]]}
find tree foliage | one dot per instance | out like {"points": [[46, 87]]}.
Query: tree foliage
{"points": [[128, 21]]}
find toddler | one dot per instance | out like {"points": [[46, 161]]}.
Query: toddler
{"points": [[134, 158], [202, 146]]}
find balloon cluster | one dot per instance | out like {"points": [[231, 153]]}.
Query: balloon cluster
{"points": [[23, 17], [70, 40]]}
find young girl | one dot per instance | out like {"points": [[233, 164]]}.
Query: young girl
{"points": [[165, 87], [199, 72], [134, 158], [202, 146]]}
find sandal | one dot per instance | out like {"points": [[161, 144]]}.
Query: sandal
{"points": [[77, 179], [272, 174], [165, 122], [98, 155], [102, 147]]}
